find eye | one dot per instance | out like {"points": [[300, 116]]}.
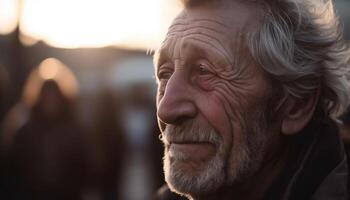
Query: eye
{"points": [[164, 73], [163, 78], [204, 76], [203, 70]]}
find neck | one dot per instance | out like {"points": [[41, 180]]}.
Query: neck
{"points": [[255, 186]]}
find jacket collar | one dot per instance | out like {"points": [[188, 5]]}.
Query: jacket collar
{"points": [[316, 152]]}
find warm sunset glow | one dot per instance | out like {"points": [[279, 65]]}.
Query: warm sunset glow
{"points": [[8, 16], [96, 23]]}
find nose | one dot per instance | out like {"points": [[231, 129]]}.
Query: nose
{"points": [[177, 104]]}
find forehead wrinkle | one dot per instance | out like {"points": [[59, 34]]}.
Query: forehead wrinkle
{"points": [[178, 49], [209, 18], [173, 44], [224, 54], [233, 61], [196, 28], [215, 19], [179, 55], [209, 23], [213, 26], [204, 33], [180, 29], [210, 33], [166, 51], [228, 29]]}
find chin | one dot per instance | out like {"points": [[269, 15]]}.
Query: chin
{"points": [[187, 177]]}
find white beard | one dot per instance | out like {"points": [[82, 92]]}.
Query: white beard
{"points": [[207, 179], [210, 175], [224, 168]]}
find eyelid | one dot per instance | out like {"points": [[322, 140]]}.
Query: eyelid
{"points": [[204, 67], [164, 70]]}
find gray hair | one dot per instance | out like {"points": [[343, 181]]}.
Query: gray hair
{"points": [[299, 43]]}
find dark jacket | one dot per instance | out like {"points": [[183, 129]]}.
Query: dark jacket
{"points": [[316, 170]]}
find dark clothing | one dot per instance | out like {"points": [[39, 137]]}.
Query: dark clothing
{"points": [[164, 193], [317, 168], [47, 161]]}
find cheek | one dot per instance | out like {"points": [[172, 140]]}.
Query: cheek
{"points": [[215, 113], [225, 108]]}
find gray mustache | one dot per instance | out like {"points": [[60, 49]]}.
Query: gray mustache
{"points": [[190, 133]]}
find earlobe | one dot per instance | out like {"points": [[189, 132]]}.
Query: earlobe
{"points": [[298, 114]]}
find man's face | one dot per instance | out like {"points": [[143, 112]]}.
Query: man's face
{"points": [[211, 100]]}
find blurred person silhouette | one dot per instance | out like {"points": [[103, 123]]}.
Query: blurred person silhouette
{"points": [[145, 153], [110, 145], [4, 90], [4, 94], [47, 153]]}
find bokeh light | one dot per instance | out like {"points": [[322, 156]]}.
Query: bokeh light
{"points": [[8, 16], [50, 68], [133, 24]]}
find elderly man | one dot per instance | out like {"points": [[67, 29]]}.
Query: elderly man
{"points": [[247, 96]]}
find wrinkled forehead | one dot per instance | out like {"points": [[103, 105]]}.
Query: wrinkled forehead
{"points": [[226, 21]]}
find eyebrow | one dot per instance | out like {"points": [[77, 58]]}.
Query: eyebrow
{"points": [[214, 20], [200, 46], [201, 51]]}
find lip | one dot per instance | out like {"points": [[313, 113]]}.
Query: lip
{"points": [[188, 142], [194, 150], [191, 142]]}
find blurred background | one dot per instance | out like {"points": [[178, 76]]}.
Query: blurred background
{"points": [[77, 97]]}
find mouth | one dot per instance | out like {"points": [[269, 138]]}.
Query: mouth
{"points": [[189, 142], [188, 149], [173, 141]]}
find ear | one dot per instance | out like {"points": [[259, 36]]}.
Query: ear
{"points": [[298, 114]]}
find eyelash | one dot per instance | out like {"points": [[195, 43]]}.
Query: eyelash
{"points": [[164, 73], [204, 71]]}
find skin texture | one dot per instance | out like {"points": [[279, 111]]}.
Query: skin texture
{"points": [[212, 103]]}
